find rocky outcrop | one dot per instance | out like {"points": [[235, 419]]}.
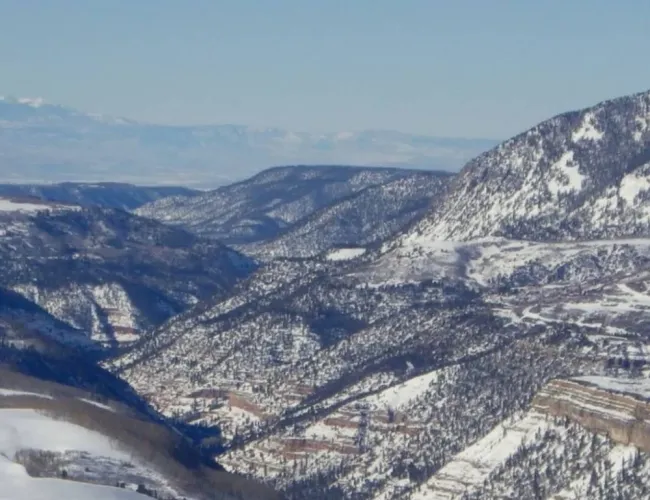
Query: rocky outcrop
{"points": [[624, 417]]}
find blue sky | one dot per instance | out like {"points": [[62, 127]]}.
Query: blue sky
{"points": [[472, 68]]}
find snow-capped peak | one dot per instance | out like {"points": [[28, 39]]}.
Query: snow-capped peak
{"points": [[34, 102]]}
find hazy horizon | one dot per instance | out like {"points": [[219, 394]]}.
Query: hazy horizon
{"points": [[39, 101]]}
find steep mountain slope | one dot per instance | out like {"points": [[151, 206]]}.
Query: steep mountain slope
{"points": [[372, 376], [544, 454], [48, 143], [24, 324], [371, 215], [579, 175], [262, 207], [106, 272], [324, 380], [105, 194]]}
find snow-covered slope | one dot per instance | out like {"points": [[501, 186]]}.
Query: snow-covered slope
{"points": [[304, 211], [109, 273], [583, 174], [371, 215], [25, 324], [353, 371], [31, 205], [265, 205], [536, 456]]}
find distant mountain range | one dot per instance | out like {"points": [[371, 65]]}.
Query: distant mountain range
{"points": [[42, 142], [301, 211]]}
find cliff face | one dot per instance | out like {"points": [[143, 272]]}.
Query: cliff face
{"points": [[619, 410]]}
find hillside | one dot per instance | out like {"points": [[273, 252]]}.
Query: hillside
{"points": [[363, 218], [106, 272], [103, 194], [580, 175], [302, 211], [305, 357], [369, 376]]}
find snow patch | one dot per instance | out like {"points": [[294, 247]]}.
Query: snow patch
{"points": [[98, 405], [12, 392], [568, 169], [9, 205], [472, 466], [642, 127], [632, 185], [587, 130], [638, 387], [402, 394], [345, 254], [34, 102]]}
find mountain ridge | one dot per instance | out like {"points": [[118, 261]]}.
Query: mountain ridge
{"points": [[556, 171], [107, 194], [264, 205]]}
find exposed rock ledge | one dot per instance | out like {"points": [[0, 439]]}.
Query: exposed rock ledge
{"points": [[617, 407]]}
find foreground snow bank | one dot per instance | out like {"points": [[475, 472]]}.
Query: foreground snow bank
{"points": [[18, 485], [26, 429]]}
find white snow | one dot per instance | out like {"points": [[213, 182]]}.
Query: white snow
{"points": [[633, 184], [417, 259], [568, 168], [642, 124], [98, 405], [640, 386], [622, 299], [34, 102], [587, 130], [402, 394], [12, 392], [483, 259], [474, 464], [332, 433], [10, 205], [7, 205], [25, 428], [345, 253], [578, 488], [18, 485]]}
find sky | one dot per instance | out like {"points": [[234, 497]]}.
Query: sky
{"points": [[461, 68]]}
